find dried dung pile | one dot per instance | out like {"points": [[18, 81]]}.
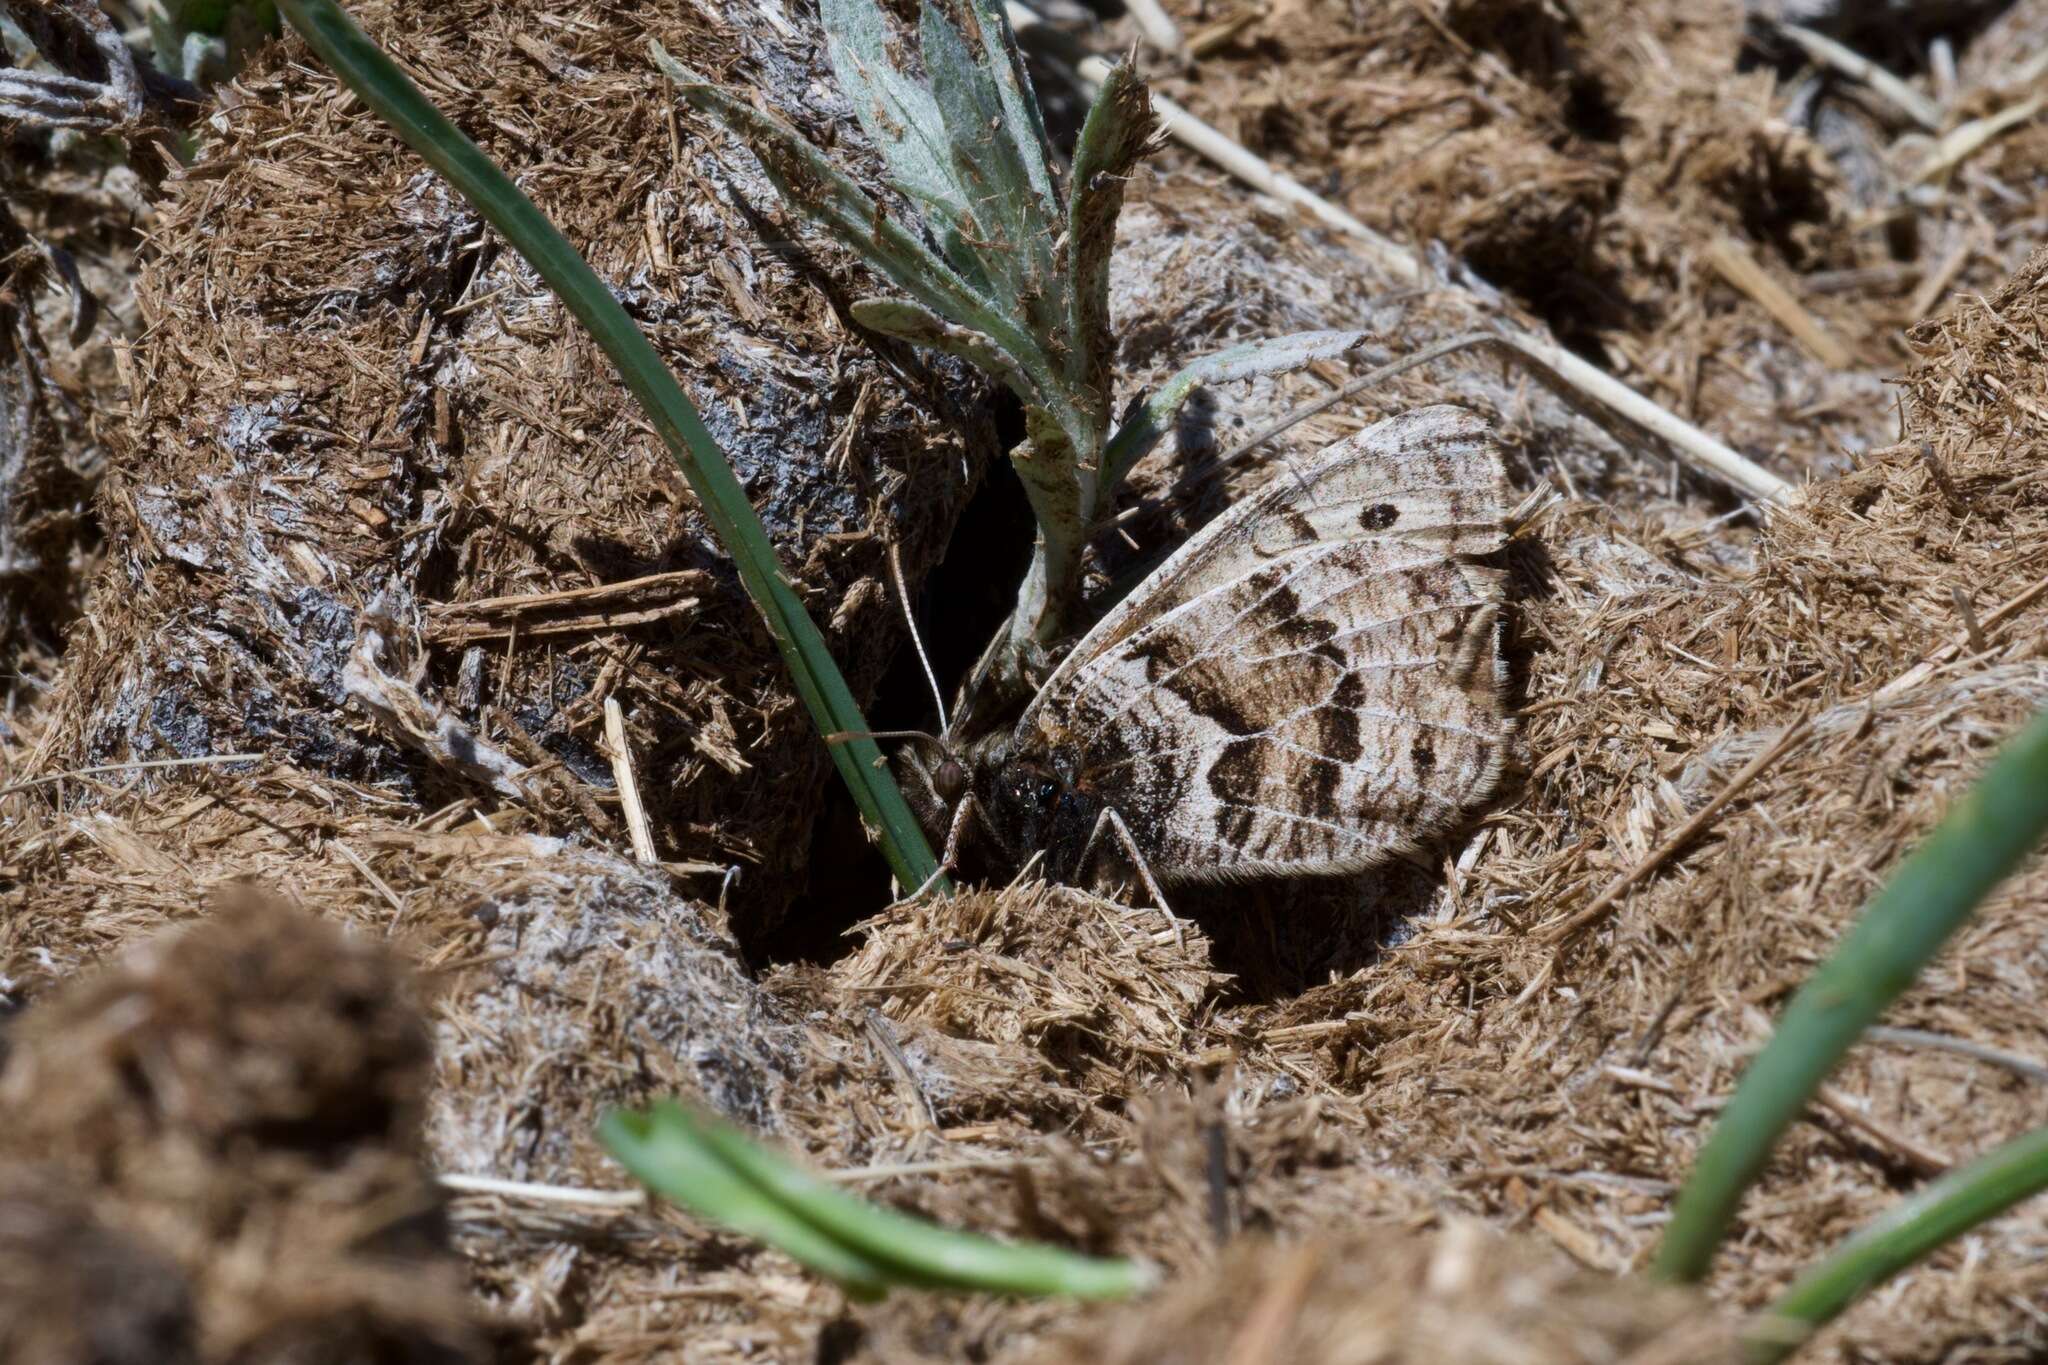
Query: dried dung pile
{"points": [[1386, 1299], [373, 462], [379, 513], [214, 1156]]}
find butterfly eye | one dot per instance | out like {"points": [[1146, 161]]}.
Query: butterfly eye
{"points": [[949, 781], [1047, 789]]}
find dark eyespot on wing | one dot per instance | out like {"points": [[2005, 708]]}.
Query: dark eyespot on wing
{"points": [[1379, 516]]}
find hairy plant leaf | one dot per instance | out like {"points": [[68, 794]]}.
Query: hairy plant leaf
{"points": [[809, 183], [1017, 226], [1116, 134], [910, 322], [987, 30], [902, 119], [1148, 418]]}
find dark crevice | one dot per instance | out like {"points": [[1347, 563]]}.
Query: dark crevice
{"points": [[961, 603]]}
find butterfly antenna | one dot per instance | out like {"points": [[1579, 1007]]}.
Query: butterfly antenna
{"points": [[916, 640], [843, 736]]}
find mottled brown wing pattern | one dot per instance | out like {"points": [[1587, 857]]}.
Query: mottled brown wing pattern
{"points": [[1311, 684]]}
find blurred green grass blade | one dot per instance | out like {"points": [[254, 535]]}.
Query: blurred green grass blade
{"points": [[1945, 1210], [665, 1152], [351, 55], [1982, 839], [698, 1152]]}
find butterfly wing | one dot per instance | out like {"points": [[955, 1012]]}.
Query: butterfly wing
{"points": [[1313, 682]]}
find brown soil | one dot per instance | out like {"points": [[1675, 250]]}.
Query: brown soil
{"points": [[375, 510]]}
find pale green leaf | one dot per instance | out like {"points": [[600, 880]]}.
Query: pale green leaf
{"points": [[909, 322], [811, 184], [1017, 225], [1150, 418], [902, 119]]}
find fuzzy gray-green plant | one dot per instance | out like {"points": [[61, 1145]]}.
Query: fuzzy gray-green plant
{"points": [[1008, 268]]}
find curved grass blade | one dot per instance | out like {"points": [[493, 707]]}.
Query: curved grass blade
{"points": [[1148, 420], [1945, 1210], [715, 1170], [350, 54], [1981, 839]]}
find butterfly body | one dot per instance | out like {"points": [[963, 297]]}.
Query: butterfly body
{"points": [[1309, 685]]}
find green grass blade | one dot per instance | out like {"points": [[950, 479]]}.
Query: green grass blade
{"points": [[665, 1152], [1945, 1210], [1982, 839], [700, 1151], [384, 88]]}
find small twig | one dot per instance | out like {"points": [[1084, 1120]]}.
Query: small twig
{"points": [[1679, 838], [1913, 1037], [1740, 269], [544, 1194], [853, 1175], [1936, 281], [30, 783], [628, 782], [1156, 24], [1922, 671], [383, 888], [1969, 615], [1213, 38], [898, 1065], [1928, 1161], [1858, 67], [1960, 144]]}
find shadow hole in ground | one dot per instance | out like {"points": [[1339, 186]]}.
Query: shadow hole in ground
{"points": [[961, 603]]}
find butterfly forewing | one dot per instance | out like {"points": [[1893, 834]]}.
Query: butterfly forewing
{"points": [[1313, 682]]}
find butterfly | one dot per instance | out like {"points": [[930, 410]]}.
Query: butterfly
{"points": [[1310, 685]]}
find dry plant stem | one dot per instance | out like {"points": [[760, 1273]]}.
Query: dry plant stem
{"points": [[1563, 372], [544, 1194], [1604, 903], [1960, 144], [628, 781], [1856, 66], [394, 99], [1156, 24], [1737, 266], [1695, 447], [1913, 1037], [1978, 843], [203, 760]]}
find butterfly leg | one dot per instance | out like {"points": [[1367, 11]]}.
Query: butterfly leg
{"points": [[950, 855], [1113, 822]]}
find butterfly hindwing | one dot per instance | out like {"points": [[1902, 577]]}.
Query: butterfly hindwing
{"points": [[1312, 683]]}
